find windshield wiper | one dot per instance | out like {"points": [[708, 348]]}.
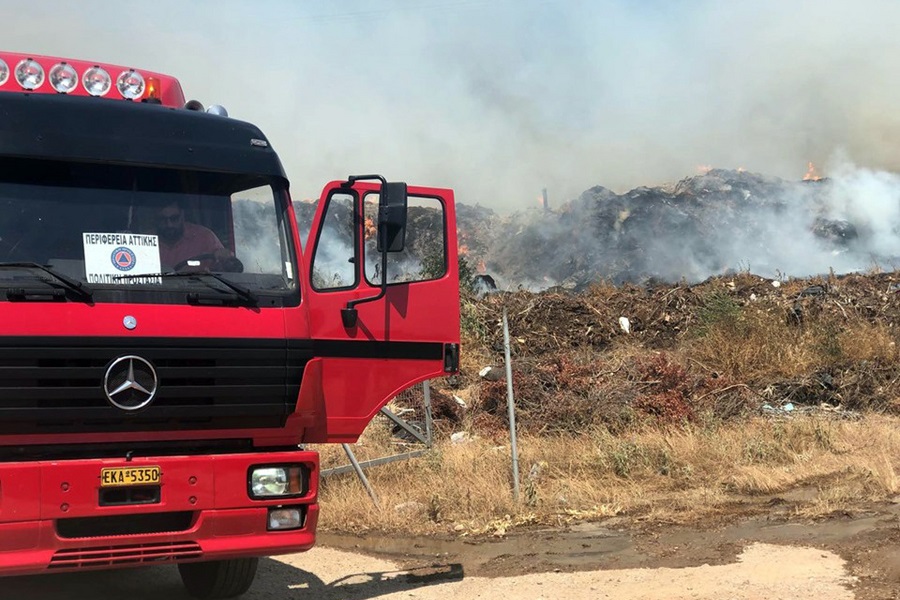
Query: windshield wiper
{"points": [[78, 287], [237, 288]]}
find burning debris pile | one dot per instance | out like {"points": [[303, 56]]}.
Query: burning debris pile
{"points": [[718, 222]]}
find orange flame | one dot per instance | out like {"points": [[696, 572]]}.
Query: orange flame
{"points": [[463, 249], [371, 230], [481, 268], [811, 174], [704, 169]]}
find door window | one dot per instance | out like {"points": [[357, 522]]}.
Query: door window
{"points": [[334, 260], [425, 254]]}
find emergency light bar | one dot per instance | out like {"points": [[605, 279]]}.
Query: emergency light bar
{"points": [[55, 75]]}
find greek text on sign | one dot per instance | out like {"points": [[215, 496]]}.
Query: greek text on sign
{"points": [[108, 255]]}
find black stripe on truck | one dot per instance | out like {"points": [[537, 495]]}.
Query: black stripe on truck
{"points": [[55, 384]]}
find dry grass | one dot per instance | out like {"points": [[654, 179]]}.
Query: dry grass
{"points": [[867, 341], [681, 474], [758, 345], [755, 343]]}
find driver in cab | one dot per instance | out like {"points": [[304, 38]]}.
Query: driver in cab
{"points": [[185, 244]]}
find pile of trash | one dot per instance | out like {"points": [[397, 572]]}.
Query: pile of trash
{"points": [[721, 222], [659, 316]]}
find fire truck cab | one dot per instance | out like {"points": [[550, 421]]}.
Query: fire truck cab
{"points": [[168, 345]]}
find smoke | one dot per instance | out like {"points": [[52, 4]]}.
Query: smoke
{"points": [[500, 99], [871, 201], [706, 225]]}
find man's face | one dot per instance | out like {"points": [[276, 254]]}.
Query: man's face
{"points": [[170, 223]]}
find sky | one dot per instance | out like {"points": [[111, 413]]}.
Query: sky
{"points": [[499, 99]]}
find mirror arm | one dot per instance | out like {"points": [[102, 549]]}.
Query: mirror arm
{"points": [[349, 314], [354, 178]]}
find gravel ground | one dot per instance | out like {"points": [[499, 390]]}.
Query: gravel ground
{"points": [[760, 571]]}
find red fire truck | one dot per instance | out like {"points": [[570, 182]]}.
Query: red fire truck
{"points": [[167, 347]]}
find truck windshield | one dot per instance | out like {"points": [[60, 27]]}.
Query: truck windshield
{"points": [[118, 228]]}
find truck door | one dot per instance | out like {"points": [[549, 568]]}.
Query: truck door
{"points": [[405, 336]]}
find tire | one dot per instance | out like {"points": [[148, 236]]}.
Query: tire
{"points": [[218, 578]]}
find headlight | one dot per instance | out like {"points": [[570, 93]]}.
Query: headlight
{"points": [[29, 74], [96, 81], [63, 78], [4, 71], [276, 482], [130, 84]]}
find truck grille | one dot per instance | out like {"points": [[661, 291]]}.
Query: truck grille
{"points": [[133, 524], [49, 384], [109, 556]]}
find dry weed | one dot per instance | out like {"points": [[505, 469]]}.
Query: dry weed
{"points": [[865, 341], [755, 344], [679, 474]]}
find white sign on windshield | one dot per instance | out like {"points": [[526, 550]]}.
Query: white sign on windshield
{"points": [[110, 255]]}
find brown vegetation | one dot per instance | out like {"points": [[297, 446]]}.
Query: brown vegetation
{"points": [[732, 389]]}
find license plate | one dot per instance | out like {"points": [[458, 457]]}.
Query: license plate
{"points": [[129, 476]]}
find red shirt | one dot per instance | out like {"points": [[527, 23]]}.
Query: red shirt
{"points": [[196, 240]]}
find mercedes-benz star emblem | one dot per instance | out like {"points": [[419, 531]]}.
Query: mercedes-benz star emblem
{"points": [[130, 383], [129, 322]]}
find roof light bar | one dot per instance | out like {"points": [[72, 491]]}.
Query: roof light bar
{"points": [[65, 76]]}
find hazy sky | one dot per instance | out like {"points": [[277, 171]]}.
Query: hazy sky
{"points": [[498, 99]]}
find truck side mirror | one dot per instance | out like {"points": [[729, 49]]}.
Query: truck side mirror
{"points": [[392, 217]]}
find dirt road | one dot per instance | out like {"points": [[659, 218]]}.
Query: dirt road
{"points": [[843, 558]]}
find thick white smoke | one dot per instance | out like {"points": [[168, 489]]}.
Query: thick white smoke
{"points": [[563, 95], [708, 225], [500, 99], [869, 199]]}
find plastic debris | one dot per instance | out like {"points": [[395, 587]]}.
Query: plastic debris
{"points": [[813, 290], [491, 374]]}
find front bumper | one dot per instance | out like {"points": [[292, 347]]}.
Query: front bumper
{"points": [[40, 501]]}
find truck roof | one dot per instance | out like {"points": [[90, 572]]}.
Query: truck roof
{"points": [[36, 74], [56, 127]]}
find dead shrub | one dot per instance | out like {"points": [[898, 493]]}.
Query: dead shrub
{"points": [[755, 346], [873, 386], [668, 407], [671, 387], [868, 342], [562, 393]]}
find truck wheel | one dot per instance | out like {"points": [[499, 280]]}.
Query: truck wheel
{"points": [[218, 578]]}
